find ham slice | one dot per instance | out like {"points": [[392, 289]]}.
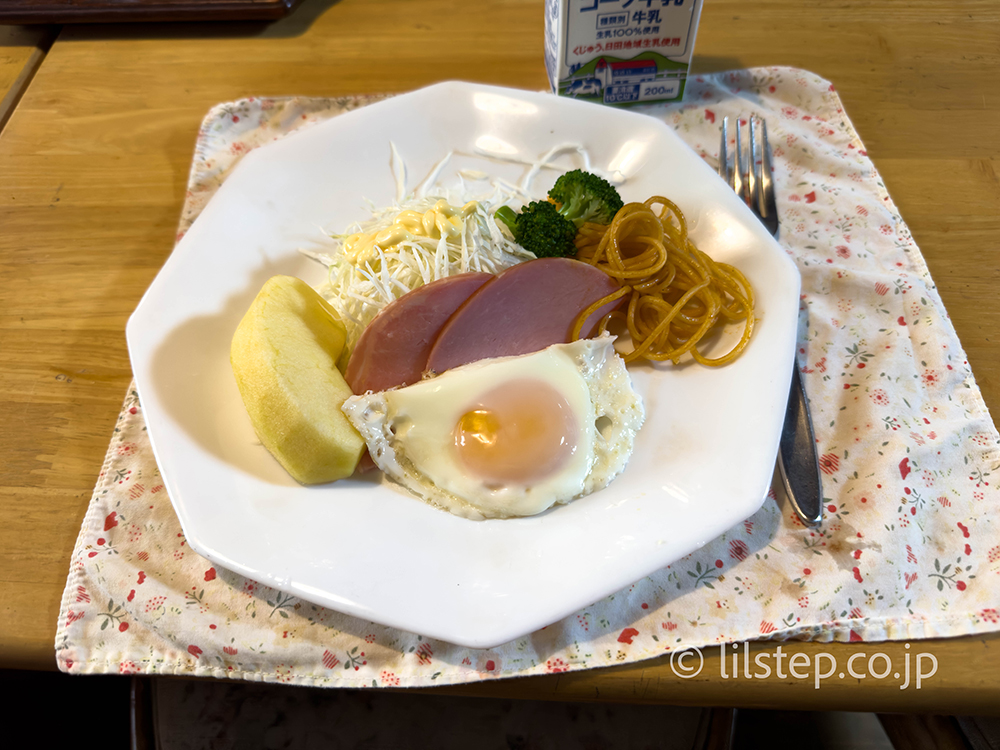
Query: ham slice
{"points": [[525, 309], [392, 351]]}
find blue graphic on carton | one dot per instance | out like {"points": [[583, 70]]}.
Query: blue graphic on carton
{"points": [[621, 94], [619, 81], [584, 87], [624, 82]]}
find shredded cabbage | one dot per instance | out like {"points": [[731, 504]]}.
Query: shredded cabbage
{"points": [[359, 291]]}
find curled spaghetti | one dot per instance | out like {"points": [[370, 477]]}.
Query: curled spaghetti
{"points": [[677, 295]]}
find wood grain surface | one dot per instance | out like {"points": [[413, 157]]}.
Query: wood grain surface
{"points": [[93, 168], [22, 49]]}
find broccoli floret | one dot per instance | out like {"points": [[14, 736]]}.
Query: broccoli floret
{"points": [[548, 228], [541, 229], [585, 197]]}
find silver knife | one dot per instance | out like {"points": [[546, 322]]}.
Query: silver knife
{"points": [[797, 460]]}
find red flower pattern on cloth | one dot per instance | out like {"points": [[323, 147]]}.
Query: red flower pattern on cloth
{"points": [[908, 454]]}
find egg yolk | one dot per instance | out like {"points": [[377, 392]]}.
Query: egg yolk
{"points": [[520, 432]]}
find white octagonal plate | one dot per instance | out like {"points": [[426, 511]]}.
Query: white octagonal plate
{"points": [[702, 463]]}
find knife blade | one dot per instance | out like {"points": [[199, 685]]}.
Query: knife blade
{"points": [[798, 462]]}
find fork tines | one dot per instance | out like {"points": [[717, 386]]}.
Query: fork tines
{"points": [[749, 173]]}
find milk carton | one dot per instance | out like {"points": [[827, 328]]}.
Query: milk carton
{"points": [[620, 52]]}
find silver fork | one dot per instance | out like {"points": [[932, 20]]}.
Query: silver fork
{"points": [[749, 174]]}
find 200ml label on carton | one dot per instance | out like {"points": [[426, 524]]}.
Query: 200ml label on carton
{"points": [[620, 52]]}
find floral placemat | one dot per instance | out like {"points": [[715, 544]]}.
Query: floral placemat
{"points": [[910, 548]]}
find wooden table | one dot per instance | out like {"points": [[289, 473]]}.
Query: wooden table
{"points": [[93, 166], [22, 49]]}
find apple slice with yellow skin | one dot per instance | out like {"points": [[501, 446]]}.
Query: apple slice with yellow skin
{"points": [[284, 356]]}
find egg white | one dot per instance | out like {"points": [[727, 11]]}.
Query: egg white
{"points": [[409, 430]]}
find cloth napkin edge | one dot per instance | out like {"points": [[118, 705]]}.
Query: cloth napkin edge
{"points": [[74, 579], [920, 264]]}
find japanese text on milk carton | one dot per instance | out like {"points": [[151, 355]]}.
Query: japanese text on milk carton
{"points": [[620, 52]]}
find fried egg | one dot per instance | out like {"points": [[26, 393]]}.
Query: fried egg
{"points": [[510, 436]]}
